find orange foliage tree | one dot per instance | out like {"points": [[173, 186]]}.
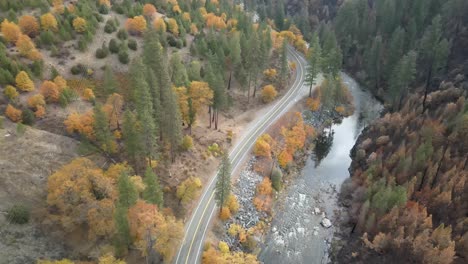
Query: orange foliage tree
{"points": [[80, 195], [136, 25], [176, 9], [80, 123], [49, 22], [269, 93], [60, 82], [284, 158], [105, 2], [114, 109], [50, 91], [79, 24], [263, 200], [58, 6], [12, 113], [149, 10], [152, 229], [10, 31], [29, 25], [225, 213], [214, 21], [23, 82], [40, 111], [88, 94]]}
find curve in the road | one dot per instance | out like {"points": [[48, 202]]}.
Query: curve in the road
{"points": [[205, 209]]}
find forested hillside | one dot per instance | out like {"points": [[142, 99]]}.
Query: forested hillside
{"points": [[407, 193], [153, 92]]}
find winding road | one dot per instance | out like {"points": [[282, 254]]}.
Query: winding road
{"points": [[195, 230]]}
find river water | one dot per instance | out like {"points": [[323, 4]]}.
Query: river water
{"points": [[296, 235]]}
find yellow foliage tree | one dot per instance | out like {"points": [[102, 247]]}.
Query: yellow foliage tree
{"points": [[114, 109], [60, 82], [214, 21], [88, 94], [12, 113], [159, 24], [29, 25], [79, 24], [26, 48], [263, 146], [36, 100], [270, 73], [172, 26], [147, 224], [80, 123], [23, 82], [81, 195], [50, 91], [110, 259], [232, 203], [10, 31], [186, 16], [136, 25], [49, 22], [58, 6], [149, 10], [284, 158], [313, 103], [176, 9], [193, 29], [62, 261], [10, 92], [189, 189], [223, 247], [269, 93], [105, 2]]}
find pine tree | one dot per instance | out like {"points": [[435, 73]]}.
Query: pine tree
{"points": [[255, 59], [178, 72], [434, 50], [128, 194], [315, 61], [109, 84], [102, 130], [395, 51], [223, 182], [284, 69], [374, 63], [144, 110], [153, 192], [403, 74], [131, 137], [213, 78], [279, 16], [155, 99], [122, 235]]}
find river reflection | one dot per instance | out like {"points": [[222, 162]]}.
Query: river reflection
{"points": [[296, 236]]}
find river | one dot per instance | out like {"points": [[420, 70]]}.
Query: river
{"points": [[296, 235]]}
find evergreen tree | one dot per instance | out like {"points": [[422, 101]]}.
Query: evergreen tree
{"points": [[374, 63], [155, 99], [234, 55], [223, 183], [284, 67], [128, 194], [153, 192], [403, 75], [433, 52], [122, 235], [255, 59], [109, 84], [144, 110], [213, 78], [131, 137], [280, 15], [102, 132], [178, 72], [395, 51], [315, 61]]}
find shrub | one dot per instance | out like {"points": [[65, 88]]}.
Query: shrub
{"points": [[102, 52], [18, 214], [113, 46], [13, 114], [82, 45], [132, 44], [108, 28], [10, 92], [276, 179], [187, 143], [46, 38], [122, 34], [225, 213], [78, 69], [28, 117], [103, 9], [123, 57], [67, 96]]}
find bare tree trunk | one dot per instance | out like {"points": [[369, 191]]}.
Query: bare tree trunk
{"points": [[209, 114], [310, 89], [229, 82], [426, 89], [438, 166]]}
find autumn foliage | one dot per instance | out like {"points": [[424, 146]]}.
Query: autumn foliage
{"points": [[27, 48], [172, 26], [49, 22], [263, 146], [10, 31], [12, 113], [23, 82], [214, 21], [36, 101], [80, 123], [79, 24], [159, 24], [29, 25], [149, 10], [189, 189], [269, 93], [50, 91], [263, 199], [136, 25]]}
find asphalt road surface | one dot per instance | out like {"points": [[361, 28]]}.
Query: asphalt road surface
{"points": [[195, 230]]}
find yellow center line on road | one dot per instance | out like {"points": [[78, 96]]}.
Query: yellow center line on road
{"points": [[246, 142]]}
